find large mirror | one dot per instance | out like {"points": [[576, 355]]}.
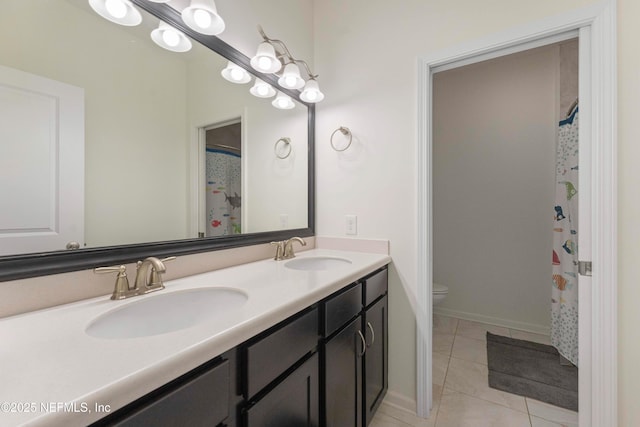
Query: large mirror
{"points": [[169, 157]]}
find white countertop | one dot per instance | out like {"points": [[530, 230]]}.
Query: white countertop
{"points": [[53, 374]]}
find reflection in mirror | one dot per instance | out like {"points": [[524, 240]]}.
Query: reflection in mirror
{"points": [[138, 171]]}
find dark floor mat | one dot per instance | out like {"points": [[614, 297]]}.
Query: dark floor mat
{"points": [[532, 370]]}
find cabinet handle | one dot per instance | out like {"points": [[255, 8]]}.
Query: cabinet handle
{"points": [[373, 335], [364, 344]]}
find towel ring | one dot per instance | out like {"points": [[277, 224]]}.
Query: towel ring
{"points": [[287, 142], [345, 131]]}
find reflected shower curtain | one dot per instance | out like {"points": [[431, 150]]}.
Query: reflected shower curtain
{"points": [[564, 294], [223, 201]]}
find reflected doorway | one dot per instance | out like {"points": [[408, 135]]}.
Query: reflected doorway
{"points": [[222, 186]]}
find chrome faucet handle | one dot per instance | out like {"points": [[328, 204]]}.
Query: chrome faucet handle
{"points": [[122, 289], [288, 247], [279, 250]]}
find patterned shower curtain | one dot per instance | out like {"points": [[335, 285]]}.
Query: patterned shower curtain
{"points": [[564, 294], [223, 201]]}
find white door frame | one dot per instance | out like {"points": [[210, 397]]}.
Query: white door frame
{"points": [[598, 343]]}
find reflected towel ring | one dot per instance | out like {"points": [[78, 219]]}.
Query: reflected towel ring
{"points": [[282, 153], [346, 132]]}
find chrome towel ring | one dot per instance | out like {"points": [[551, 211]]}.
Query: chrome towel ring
{"points": [[285, 148], [346, 132]]}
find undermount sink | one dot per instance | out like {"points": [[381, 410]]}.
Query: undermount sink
{"points": [[166, 312], [317, 263]]}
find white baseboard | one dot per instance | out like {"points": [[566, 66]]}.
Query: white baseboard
{"points": [[506, 323], [400, 401]]}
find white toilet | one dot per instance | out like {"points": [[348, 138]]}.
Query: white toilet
{"points": [[439, 293]]}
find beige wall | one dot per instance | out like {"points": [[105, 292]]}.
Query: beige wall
{"points": [[494, 137], [366, 54], [628, 212]]}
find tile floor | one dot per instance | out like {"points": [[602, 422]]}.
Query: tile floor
{"points": [[461, 395]]}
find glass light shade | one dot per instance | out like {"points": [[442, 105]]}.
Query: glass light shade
{"points": [[169, 38], [283, 102], [262, 89], [290, 78], [311, 92], [235, 74], [160, 1], [121, 12], [265, 59], [202, 16]]}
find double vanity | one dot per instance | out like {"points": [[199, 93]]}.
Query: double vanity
{"points": [[294, 342]]}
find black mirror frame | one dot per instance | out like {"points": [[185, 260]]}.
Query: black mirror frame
{"points": [[40, 264]]}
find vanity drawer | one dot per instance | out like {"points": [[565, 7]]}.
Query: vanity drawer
{"points": [[294, 402], [196, 399], [341, 308], [375, 286], [278, 350]]}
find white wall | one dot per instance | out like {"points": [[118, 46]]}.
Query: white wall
{"points": [[137, 125], [133, 131], [366, 53], [495, 127], [271, 186]]}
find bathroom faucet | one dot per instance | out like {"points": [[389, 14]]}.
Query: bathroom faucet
{"points": [[148, 274], [288, 247], [148, 277]]}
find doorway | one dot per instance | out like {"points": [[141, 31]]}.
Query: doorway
{"points": [[221, 184], [596, 27]]}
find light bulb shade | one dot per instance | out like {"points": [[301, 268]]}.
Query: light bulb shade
{"points": [[290, 78], [118, 11], [169, 38], [202, 16], [311, 92], [262, 89], [265, 59], [235, 74], [160, 1], [283, 102]]}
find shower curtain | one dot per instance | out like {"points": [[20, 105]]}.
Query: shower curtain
{"points": [[223, 201], [564, 295]]}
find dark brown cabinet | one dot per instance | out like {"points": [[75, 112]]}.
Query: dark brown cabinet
{"points": [[293, 402], [324, 366], [281, 374], [355, 363], [198, 398], [375, 358], [342, 385]]}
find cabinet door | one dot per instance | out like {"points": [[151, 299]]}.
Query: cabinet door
{"points": [[293, 403], [375, 358], [343, 377]]}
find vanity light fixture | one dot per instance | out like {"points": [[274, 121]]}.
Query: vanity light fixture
{"points": [[169, 38], [261, 89], [269, 58], [265, 59], [235, 74], [290, 78], [283, 102], [118, 11], [311, 92], [202, 16]]}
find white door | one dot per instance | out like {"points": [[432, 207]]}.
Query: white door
{"points": [[41, 163]]}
